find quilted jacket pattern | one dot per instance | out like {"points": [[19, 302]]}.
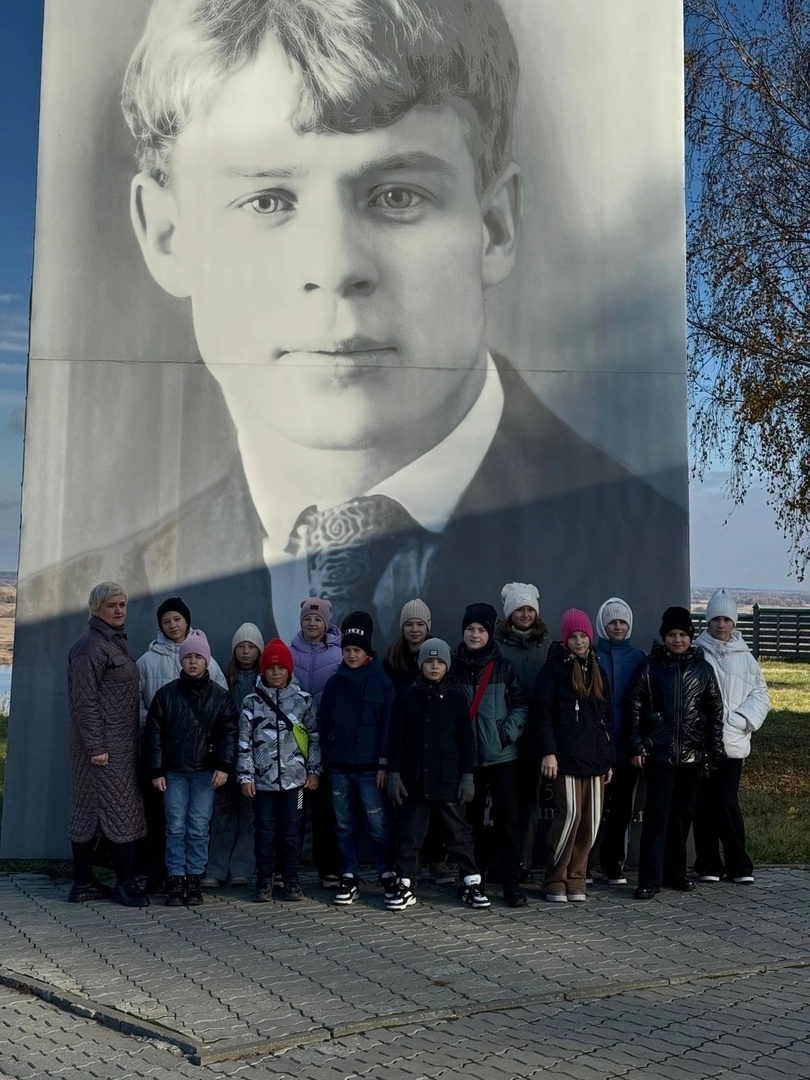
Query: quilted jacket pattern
{"points": [[103, 719]]}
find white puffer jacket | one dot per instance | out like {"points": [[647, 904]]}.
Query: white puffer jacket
{"points": [[742, 684], [160, 665]]}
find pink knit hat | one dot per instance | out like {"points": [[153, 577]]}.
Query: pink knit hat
{"points": [[314, 605], [196, 642], [575, 621]]}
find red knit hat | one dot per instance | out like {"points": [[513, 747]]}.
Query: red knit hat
{"points": [[575, 621], [276, 652]]}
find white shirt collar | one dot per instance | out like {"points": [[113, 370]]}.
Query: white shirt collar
{"points": [[431, 487]]}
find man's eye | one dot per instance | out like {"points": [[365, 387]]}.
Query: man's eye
{"points": [[398, 198], [268, 202]]}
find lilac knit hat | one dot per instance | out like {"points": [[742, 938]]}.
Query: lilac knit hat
{"points": [[575, 621], [196, 642]]}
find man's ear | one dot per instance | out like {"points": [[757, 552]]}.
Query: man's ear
{"points": [[153, 211], [500, 209]]}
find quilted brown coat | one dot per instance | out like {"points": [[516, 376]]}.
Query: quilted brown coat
{"points": [[103, 702]]}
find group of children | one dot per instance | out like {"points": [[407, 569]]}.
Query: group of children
{"points": [[423, 749]]}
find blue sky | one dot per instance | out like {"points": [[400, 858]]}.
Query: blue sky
{"points": [[733, 546]]}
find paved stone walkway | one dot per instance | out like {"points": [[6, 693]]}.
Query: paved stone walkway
{"points": [[609, 988]]}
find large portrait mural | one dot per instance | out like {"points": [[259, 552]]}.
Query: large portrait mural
{"points": [[365, 301]]}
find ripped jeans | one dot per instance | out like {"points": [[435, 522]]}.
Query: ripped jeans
{"points": [[354, 794]]}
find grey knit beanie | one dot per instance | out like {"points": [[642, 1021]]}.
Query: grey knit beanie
{"points": [[248, 631], [434, 649]]}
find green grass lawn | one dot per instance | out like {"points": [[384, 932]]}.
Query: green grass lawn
{"points": [[775, 791]]}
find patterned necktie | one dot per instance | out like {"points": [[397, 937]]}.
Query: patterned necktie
{"points": [[366, 553]]}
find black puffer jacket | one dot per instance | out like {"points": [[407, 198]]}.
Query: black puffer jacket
{"points": [[576, 730], [676, 708], [432, 743], [191, 726]]}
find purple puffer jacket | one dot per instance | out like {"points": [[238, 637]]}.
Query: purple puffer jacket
{"points": [[316, 663]]}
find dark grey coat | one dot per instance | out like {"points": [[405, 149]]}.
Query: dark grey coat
{"points": [[103, 708]]}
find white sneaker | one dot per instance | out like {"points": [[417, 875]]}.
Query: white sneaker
{"points": [[745, 879], [402, 898], [576, 897], [620, 880], [709, 879], [556, 897], [347, 890], [472, 893]]}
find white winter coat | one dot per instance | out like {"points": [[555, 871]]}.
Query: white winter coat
{"points": [[160, 665], [742, 684]]}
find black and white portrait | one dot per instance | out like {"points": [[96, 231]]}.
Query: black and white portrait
{"points": [[366, 302]]}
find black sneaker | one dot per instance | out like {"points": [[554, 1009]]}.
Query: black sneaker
{"points": [[93, 890], [473, 894], [402, 897], [264, 892], [194, 894], [130, 894], [646, 892], [390, 886], [347, 890], [292, 891], [514, 896], [175, 891]]}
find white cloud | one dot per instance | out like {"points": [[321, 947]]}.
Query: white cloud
{"points": [[9, 297]]}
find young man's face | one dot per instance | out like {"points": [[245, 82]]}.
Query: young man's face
{"points": [[337, 274], [194, 665]]}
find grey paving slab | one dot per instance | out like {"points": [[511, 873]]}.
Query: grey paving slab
{"points": [[233, 976]]}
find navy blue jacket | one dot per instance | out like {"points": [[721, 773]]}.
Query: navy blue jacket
{"points": [[355, 718], [620, 661]]}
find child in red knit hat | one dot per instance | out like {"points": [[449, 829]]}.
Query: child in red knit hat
{"points": [[278, 757]]}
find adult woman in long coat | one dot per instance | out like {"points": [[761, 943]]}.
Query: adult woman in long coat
{"points": [[105, 798]]}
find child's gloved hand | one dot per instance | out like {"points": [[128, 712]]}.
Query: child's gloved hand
{"points": [[396, 789], [466, 789]]}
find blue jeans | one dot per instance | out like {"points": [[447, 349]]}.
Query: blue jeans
{"points": [[353, 792], [189, 804]]}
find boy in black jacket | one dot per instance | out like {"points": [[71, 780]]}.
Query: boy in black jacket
{"points": [[191, 730], [431, 760], [355, 722]]}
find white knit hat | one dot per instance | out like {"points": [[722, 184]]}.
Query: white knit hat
{"points": [[722, 603], [248, 631], [614, 608], [516, 594]]}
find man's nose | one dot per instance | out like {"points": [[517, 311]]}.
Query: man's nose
{"points": [[336, 255]]}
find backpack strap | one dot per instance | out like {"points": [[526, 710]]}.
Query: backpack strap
{"points": [[480, 690], [279, 712]]}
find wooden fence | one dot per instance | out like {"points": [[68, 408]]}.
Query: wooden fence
{"points": [[782, 632]]}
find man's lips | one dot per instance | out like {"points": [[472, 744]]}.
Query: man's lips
{"points": [[357, 350]]}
